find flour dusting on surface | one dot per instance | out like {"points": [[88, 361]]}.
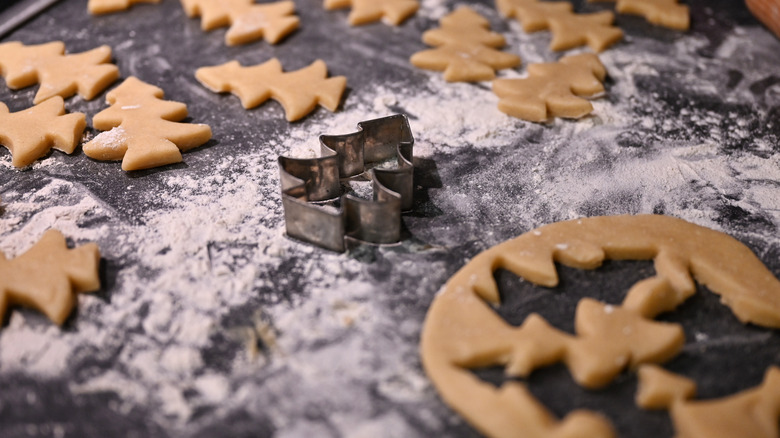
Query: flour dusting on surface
{"points": [[212, 318]]}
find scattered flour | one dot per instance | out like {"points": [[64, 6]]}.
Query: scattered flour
{"points": [[113, 139], [212, 245]]}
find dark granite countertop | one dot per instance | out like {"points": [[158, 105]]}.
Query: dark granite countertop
{"points": [[211, 322]]}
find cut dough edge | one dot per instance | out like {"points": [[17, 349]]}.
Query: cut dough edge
{"points": [[461, 331]]}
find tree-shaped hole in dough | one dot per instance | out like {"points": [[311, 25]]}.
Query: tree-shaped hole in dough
{"points": [[462, 332]]}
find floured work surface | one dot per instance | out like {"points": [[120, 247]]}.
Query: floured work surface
{"points": [[210, 322]]}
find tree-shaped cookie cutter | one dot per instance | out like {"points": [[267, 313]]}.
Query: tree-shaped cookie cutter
{"points": [[306, 182]]}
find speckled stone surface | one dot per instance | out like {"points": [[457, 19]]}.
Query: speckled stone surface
{"points": [[197, 271]]}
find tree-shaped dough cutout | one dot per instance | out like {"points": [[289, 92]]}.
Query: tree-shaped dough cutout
{"points": [[87, 73], [465, 48], [98, 7], [569, 29], [552, 89], [142, 129], [32, 133], [462, 331], [48, 276], [369, 11], [248, 21], [667, 13], [299, 91]]}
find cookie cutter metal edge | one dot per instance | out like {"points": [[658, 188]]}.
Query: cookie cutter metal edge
{"points": [[16, 15], [306, 181]]}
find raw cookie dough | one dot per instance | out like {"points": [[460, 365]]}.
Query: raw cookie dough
{"points": [[461, 331], [31, 133], [87, 73], [48, 276], [248, 21], [569, 29], [144, 132], [465, 48], [752, 413], [552, 89], [107, 6], [667, 13], [658, 388], [369, 11], [299, 92]]}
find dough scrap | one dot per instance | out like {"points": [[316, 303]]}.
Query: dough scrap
{"points": [[31, 133], [659, 389], [98, 7], [569, 29], [48, 276], [465, 48], [299, 92], [87, 73], [751, 413], [461, 331], [552, 89], [667, 13], [369, 11], [142, 129], [248, 21]]}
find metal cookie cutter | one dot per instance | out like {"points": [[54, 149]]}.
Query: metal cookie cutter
{"points": [[14, 15], [306, 181]]}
